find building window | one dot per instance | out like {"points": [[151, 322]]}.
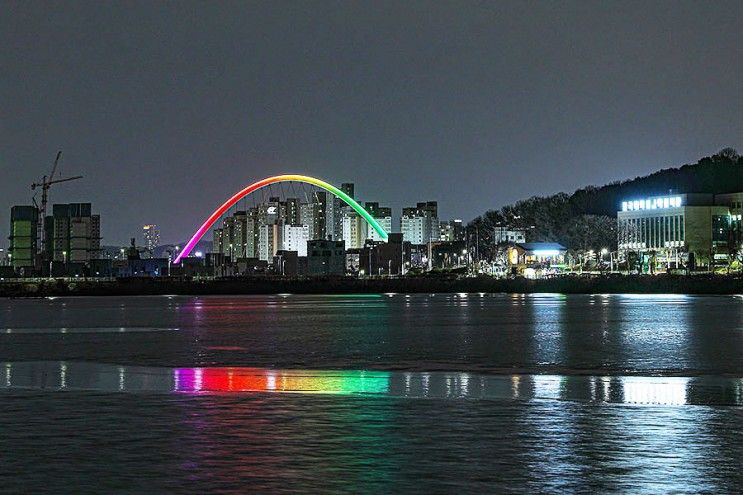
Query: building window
{"points": [[667, 221], [720, 228]]}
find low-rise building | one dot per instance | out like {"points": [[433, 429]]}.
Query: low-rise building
{"points": [[449, 254], [287, 263], [249, 267], [326, 257], [530, 254], [385, 258], [684, 228], [147, 267], [503, 235]]}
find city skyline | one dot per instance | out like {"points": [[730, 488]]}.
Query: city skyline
{"points": [[165, 110], [389, 246]]}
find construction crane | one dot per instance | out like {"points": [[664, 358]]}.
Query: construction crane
{"points": [[45, 184]]}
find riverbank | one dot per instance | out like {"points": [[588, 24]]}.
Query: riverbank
{"points": [[639, 284]]}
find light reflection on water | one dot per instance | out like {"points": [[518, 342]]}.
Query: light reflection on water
{"points": [[549, 394], [639, 390], [498, 333], [94, 428], [83, 330]]}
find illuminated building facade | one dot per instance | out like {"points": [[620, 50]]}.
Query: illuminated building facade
{"points": [[23, 237], [689, 227], [537, 253], [269, 241], [383, 216], [420, 224], [354, 231], [295, 237]]}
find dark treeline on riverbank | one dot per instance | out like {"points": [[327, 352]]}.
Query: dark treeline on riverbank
{"points": [[658, 284]]}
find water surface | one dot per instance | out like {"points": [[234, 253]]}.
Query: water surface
{"points": [[375, 394]]}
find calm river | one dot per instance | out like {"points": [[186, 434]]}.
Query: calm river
{"points": [[388, 393]]}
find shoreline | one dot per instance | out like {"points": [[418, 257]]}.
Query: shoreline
{"points": [[608, 284]]}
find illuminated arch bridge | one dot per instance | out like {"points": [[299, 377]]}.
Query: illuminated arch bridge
{"points": [[273, 180]]}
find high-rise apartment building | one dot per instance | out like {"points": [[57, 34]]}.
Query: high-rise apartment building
{"points": [[348, 188], [269, 241], [237, 238], [75, 233], [306, 217], [420, 224], [23, 236], [451, 231], [339, 212], [151, 236], [290, 211], [322, 214], [218, 240], [288, 224], [355, 229], [383, 216], [294, 238]]}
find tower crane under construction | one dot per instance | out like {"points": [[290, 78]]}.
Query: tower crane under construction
{"points": [[45, 184]]}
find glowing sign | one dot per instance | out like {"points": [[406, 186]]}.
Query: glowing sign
{"points": [[272, 180], [652, 203], [546, 252]]}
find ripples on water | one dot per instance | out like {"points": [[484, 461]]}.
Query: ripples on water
{"points": [[475, 393]]}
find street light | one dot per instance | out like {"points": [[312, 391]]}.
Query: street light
{"points": [[170, 260], [606, 251]]}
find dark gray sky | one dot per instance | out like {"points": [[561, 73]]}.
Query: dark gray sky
{"points": [[168, 108]]}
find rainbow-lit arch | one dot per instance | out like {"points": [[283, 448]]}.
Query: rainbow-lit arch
{"points": [[272, 180]]}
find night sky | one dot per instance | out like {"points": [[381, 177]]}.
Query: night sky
{"points": [[169, 108]]}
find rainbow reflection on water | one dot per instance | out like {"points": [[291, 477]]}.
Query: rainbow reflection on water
{"points": [[239, 379]]}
